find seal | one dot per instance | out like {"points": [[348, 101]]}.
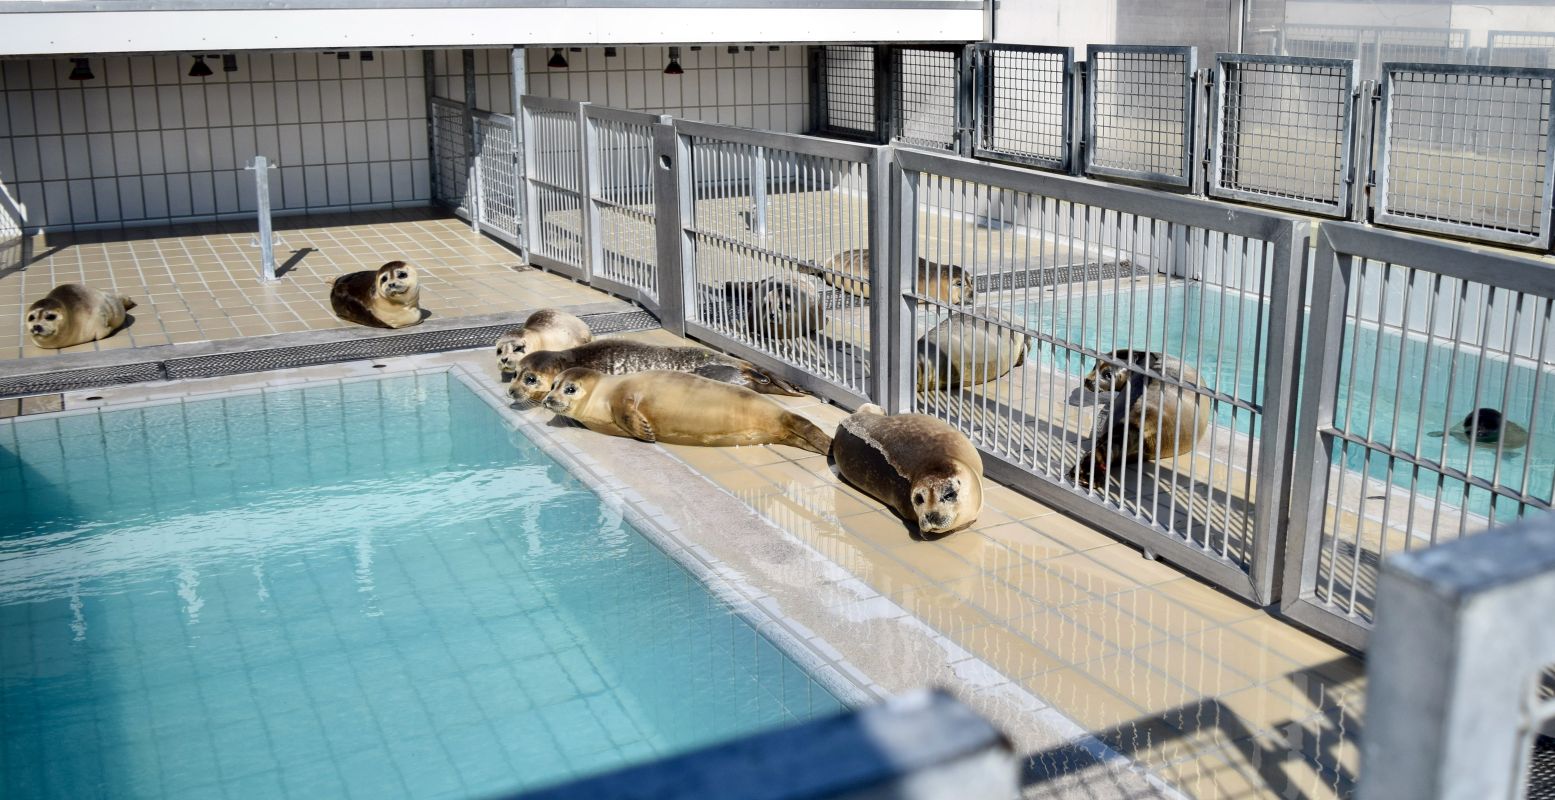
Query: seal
{"points": [[679, 408], [546, 329], [778, 308], [73, 314], [537, 371], [388, 297], [1145, 417], [963, 350], [919, 466], [1488, 426], [849, 271]]}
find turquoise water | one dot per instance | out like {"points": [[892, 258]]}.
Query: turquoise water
{"points": [[1222, 334], [364, 590]]}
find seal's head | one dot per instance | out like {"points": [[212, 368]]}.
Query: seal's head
{"points": [[571, 389], [511, 349], [1483, 424], [45, 320], [947, 500], [535, 373], [395, 280], [1109, 377]]}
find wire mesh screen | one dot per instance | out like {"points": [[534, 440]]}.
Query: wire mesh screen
{"points": [[794, 288], [1372, 46], [553, 174], [1139, 112], [449, 152], [1466, 151], [1138, 389], [1282, 130], [1431, 405], [622, 197], [847, 96], [497, 152], [924, 85], [1521, 49], [1024, 114]]}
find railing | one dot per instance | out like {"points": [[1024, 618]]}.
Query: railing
{"points": [[1024, 105], [553, 182], [12, 233], [450, 153], [499, 201], [1139, 113]]}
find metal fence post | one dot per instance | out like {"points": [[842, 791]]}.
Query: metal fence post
{"points": [[261, 167], [967, 110], [1365, 122], [472, 184], [897, 262], [592, 245], [519, 85], [885, 95], [672, 191], [1079, 127], [883, 298], [759, 191], [429, 85]]}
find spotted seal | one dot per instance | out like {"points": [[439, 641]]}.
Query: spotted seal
{"points": [[849, 271], [546, 329], [963, 350], [388, 297], [73, 314], [537, 371], [1145, 418], [919, 466]]}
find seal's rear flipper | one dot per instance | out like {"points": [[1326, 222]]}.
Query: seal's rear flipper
{"points": [[807, 436], [127, 302]]}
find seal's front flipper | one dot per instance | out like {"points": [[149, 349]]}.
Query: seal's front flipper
{"points": [[631, 420]]}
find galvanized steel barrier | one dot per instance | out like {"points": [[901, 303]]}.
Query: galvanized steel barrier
{"points": [[450, 153], [925, 89], [553, 184], [848, 88], [498, 199], [1024, 105], [1408, 340], [622, 207], [1139, 112]]}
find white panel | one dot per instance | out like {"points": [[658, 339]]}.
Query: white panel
{"points": [[377, 140], [99, 153], [223, 155], [180, 203], [126, 154], [72, 111], [381, 181], [82, 206], [227, 192], [131, 201], [198, 149], [218, 104], [51, 158], [45, 112], [339, 185], [202, 194], [359, 184], [106, 192]]}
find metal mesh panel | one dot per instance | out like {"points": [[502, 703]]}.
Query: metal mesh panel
{"points": [[1139, 121], [848, 90], [1372, 46], [497, 152], [1521, 49], [1541, 769], [1282, 132], [449, 152], [1024, 114], [761, 288], [1465, 151], [923, 97], [556, 204], [624, 204]]}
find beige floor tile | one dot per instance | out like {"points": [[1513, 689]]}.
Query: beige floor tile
{"points": [[1074, 534], [1007, 651], [1161, 611], [1068, 640], [1194, 668], [1129, 562], [942, 610], [1114, 625], [1084, 699], [936, 563], [1023, 539]]}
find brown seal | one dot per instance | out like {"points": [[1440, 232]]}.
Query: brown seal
{"points": [[388, 297], [778, 308], [73, 314], [546, 329], [964, 350], [849, 271], [678, 408], [919, 466], [537, 371], [1145, 419]]}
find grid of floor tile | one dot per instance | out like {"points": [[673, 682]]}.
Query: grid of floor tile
{"points": [[201, 282]]}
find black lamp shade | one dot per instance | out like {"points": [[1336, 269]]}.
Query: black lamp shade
{"points": [[229, 63], [558, 61], [674, 68], [82, 71], [366, 55], [200, 68]]}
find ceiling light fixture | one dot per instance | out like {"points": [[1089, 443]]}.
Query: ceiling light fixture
{"points": [[82, 71], [558, 61], [200, 68], [673, 68], [229, 62]]}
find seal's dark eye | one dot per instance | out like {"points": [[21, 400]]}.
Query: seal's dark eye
{"points": [[917, 499], [402, 275], [571, 389], [948, 497], [529, 379], [51, 316], [384, 278]]}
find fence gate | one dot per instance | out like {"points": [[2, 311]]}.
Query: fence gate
{"points": [[621, 207], [498, 205], [930, 97], [1282, 130], [779, 243], [1466, 151], [449, 154], [1409, 339], [1023, 105], [1139, 107], [846, 89], [553, 179]]}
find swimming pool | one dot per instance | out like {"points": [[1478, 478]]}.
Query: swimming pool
{"points": [[369, 589], [1396, 390]]}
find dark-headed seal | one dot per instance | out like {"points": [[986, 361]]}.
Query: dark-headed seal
{"points": [[546, 329], [537, 371], [388, 297], [678, 408], [1488, 427], [964, 350], [925, 470], [778, 308], [1144, 418], [849, 271], [73, 314]]}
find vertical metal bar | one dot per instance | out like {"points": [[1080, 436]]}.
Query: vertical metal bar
{"points": [[261, 167], [534, 212], [899, 261], [1364, 132], [817, 79], [885, 95], [676, 260], [589, 158], [519, 85], [1278, 403], [966, 100], [429, 87], [758, 179], [472, 182]]}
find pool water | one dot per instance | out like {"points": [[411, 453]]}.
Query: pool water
{"points": [[369, 589], [1223, 332]]}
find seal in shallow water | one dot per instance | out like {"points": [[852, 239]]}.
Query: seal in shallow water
{"points": [[388, 297], [919, 466], [73, 314], [1488, 426], [679, 408], [546, 329], [536, 371]]}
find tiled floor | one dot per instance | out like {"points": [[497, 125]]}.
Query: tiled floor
{"points": [[201, 282]]}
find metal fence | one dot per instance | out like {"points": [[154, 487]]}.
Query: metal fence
{"points": [[553, 182], [1520, 49], [1139, 107], [925, 88], [1283, 131], [1023, 106], [498, 199], [1372, 46], [450, 152], [847, 80], [1466, 150], [622, 203], [1425, 414]]}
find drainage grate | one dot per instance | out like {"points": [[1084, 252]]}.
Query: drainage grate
{"points": [[262, 360], [1541, 770]]}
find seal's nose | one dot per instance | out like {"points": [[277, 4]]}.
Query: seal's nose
{"points": [[37, 329], [935, 519]]}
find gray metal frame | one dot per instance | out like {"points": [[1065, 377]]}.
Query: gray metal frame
{"points": [[960, 94], [645, 293], [498, 185], [1340, 247], [1189, 57], [536, 185], [878, 93], [1219, 130], [1547, 50], [449, 154], [1384, 215], [1285, 237], [984, 108]]}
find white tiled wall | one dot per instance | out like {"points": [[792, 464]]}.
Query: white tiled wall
{"points": [[761, 88], [492, 82], [142, 142]]}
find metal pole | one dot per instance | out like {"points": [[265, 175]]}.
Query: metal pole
{"points": [[759, 192], [472, 186], [429, 86], [672, 193], [519, 83], [261, 167]]}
